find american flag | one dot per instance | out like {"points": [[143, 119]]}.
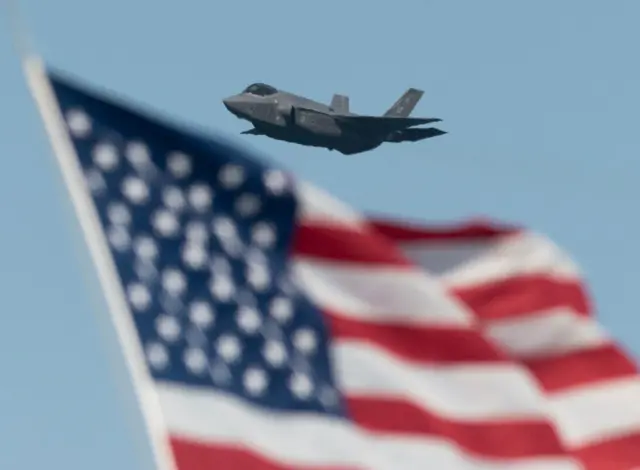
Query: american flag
{"points": [[280, 329]]}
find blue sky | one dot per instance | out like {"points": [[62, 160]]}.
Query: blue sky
{"points": [[540, 98]]}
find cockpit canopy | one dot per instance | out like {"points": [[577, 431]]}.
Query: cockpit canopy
{"points": [[260, 89]]}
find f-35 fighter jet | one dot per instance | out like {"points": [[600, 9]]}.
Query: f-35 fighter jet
{"points": [[292, 118]]}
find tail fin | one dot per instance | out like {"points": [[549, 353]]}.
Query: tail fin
{"points": [[405, 104], [340, 104]]}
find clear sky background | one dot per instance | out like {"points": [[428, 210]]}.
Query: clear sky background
{"points": [[541, 100]]}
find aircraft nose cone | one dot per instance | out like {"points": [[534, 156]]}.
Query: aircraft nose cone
{"points": [[232, 103]]}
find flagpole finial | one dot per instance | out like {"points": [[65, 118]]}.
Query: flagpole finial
{"points": [[20, 36]]}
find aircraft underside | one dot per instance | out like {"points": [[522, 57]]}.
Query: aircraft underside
{"points": [[347, 144]]}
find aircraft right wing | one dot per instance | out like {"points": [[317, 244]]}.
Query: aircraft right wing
{"points": [[383, 123], [330, 123]]}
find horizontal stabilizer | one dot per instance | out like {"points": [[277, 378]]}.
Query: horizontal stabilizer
{"points": [[253, 131], [414, 135]]}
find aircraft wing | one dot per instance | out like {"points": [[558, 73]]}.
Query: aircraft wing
{"points": [[314, 120], [384, 123]]}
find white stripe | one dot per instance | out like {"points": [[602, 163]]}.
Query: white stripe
{"points": [[598, 411], [307, 440], [318, 205], [463, 264], [379, 294], [466, 392], [544, 334]]}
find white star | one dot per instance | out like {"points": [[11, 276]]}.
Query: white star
{"points": [[138, 155], [263, 235], [281, 309], [305, 340], [145, 247], [165, 223], [233, 247], [224, 228], [222, 288], [194, 255], [247, 205], [145, 271], [105, 156], [220, 266], [174, 282], [300, 385], [275, 353], [139, 296], [173, 198], [229, 348], [168, 327], [118, 237], [201, 314], [255, 256], [200, 197], [258, 276], [276, 182], [118, 214], [95, 181], [255, 381], [170, 304], [135, 189], [157, 355], [249, 319], [196, 232], [179, 165], [231, 176], [79, 123], [196, 360], [226, 231]]}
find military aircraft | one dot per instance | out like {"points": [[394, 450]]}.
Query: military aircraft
{"points": [[292, 118]]}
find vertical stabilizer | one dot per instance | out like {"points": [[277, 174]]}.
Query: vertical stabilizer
{"points": [[405, 104], [340, 104]]}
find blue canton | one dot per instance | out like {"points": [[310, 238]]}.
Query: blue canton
{"points": [[201, 235]]}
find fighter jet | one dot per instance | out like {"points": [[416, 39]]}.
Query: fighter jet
{"points": [[292, 118]]}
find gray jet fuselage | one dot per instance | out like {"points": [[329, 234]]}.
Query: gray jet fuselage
{"points": [[292, 118]]}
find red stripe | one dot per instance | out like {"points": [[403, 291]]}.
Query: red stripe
{"points": [[595, 365], [472, 231], [418, 343], [622, 453], [512, 439], [523, 295], [346, 244], [191, 455]]}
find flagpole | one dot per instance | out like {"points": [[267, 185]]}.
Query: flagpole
{"points": [[68, 162]]}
